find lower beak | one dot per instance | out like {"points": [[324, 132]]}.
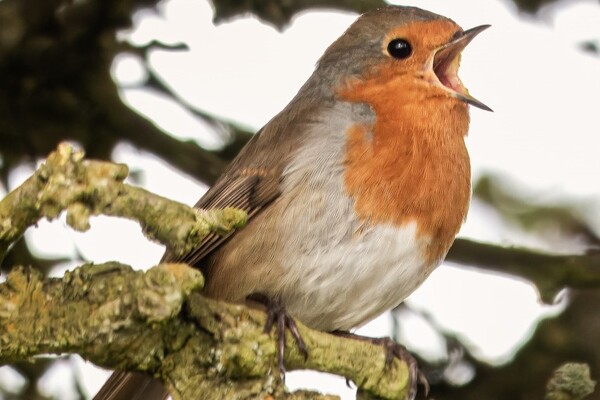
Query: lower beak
{"points": [[445, 63]]}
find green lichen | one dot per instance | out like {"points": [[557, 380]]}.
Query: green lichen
{"points": [[570, 381]]}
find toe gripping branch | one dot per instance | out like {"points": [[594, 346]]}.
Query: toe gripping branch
{"points": [[241, 330], [278, 316], [395, 350]]}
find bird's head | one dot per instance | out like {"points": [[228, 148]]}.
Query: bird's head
{"points": [[404, 54]]}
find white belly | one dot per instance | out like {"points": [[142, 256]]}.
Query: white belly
{"points": [[345, 285]]}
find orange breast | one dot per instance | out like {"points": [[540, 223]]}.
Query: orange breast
{"points": [[412, 164]]}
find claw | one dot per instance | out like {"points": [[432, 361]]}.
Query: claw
{"points": [[395, 350], [278, 316]]}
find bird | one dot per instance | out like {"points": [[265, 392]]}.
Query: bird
{"points": [[354, 192]]}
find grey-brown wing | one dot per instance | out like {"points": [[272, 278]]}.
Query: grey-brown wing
{"points": [[249, 193], [250, 184]]}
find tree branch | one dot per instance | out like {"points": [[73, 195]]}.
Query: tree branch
{"points": [[550, 273], [83, 188], [90, 308], [570, 337], [279, 13], [120, 318]]}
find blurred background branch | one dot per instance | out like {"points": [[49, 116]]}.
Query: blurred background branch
{"points": [[55, 81], [550, 273]]}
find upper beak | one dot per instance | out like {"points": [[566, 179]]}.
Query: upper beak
{"points": [[445, 63]]}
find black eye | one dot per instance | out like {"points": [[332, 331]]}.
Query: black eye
{"points": [[399, 48]]}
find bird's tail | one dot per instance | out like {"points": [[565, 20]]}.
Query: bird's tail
{"points": [[131, 386]]}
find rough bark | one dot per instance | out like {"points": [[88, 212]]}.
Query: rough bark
{"points": [[156, 322]]}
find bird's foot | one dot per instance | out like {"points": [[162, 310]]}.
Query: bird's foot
{"points": [[395, 350], [278, 317]]}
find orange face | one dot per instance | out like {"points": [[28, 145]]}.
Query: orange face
{"points": [[420, 65], [424, 38]]}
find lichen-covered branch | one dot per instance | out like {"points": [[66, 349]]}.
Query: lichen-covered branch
{"points": [[244, 350], [93, 309], [68, 182], [570, 381], [120, 318]]}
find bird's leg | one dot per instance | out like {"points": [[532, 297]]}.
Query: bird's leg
{"points": [[278, 316], [395, 350]]}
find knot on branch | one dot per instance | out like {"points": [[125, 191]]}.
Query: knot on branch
{"points": [[167, 288], [68, 182]]}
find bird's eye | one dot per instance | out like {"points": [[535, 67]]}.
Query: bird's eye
{"points": [[399, 48]]}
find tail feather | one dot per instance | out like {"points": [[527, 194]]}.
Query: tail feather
{"points": [[131, 386]]}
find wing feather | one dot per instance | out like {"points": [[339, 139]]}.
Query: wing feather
{"points": [[249, 190]]}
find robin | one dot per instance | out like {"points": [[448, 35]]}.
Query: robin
{"points": [[354, 191]]}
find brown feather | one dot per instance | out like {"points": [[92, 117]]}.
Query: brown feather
{"points": [[131, 386]]}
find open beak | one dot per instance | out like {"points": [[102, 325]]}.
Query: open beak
{"points": [[445, 63]]}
